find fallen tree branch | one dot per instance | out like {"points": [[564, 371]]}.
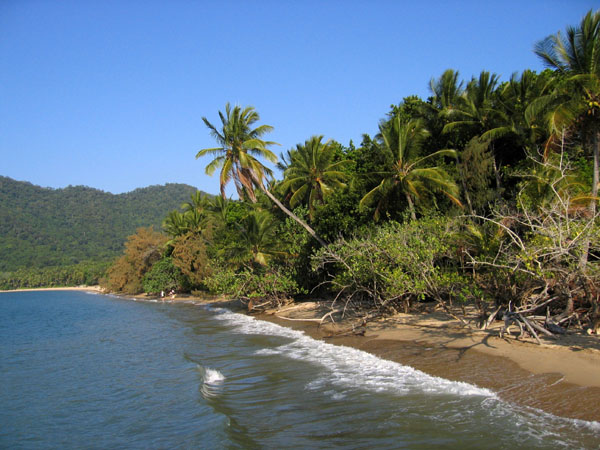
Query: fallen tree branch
{"points": [[320, 321]]}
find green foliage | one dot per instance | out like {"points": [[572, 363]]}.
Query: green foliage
{"points": [[266, 284], [256, 242], [341, 215], [313, 173], [238, 143], [163, 276], [476, 171], [296, 247], [543, 248], [396, 264], [411, 174]]}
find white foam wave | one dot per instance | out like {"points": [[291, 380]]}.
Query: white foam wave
{"points": [[249, 325], [212, 382], [347, 366], [213, 376]]}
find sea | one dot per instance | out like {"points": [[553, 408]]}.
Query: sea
{"points": [[90, 371]]}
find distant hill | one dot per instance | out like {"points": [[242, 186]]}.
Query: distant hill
{"points": [[41, 227]]}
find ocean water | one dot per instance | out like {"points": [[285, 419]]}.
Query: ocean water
{"points": [[82, 370]]}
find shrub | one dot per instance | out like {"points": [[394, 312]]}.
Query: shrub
{"points": [[163, 276], [396, 265]]}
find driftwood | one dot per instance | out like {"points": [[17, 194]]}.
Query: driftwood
{"points": [[514, 318], [320, 320], [491, 318], [554, 328]]}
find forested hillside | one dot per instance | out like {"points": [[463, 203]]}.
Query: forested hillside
{"points": [[42, 227]]}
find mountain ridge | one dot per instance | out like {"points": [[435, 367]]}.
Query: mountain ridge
{"points": [[43, 226]]}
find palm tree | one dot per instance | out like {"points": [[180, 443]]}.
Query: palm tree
{"points": [[446, 90], [239, 144], [407, 175], [514, 113], [257, 242], [217, 209], [312, 173], [175, 224], [575, 105], [198, 201], [475, 110]]}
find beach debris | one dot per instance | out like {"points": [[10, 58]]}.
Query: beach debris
{"points": [[516, 318]]}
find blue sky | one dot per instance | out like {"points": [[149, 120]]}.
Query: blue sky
{"points": [[110, 94]]}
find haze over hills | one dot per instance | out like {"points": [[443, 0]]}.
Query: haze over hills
{"points": [[41, 227]]}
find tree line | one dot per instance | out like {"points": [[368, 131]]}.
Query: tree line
{"points": [[484, 194]]}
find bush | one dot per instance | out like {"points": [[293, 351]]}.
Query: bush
{"points": [[396, 265], [269, 284], [142, 250], [163, 276]]}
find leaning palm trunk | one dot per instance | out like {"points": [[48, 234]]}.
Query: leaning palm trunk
{"points": [[287, 211]]}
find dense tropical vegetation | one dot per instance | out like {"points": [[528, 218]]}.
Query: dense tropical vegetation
{"points": [[482, 195]]}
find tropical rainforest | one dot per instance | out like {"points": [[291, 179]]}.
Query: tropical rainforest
{"points": [[482, 195], [66, 237]]}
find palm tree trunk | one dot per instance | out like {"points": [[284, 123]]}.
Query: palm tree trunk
{"points": [[497, 175], [464, 186], [411, 207], [287, 211], [596, 174]]}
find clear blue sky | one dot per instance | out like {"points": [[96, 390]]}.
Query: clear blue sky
{"points": [[110, 94]]}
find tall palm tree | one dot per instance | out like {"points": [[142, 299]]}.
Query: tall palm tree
{"points": [[312, 173], [408, 175], [575, 105], [475, 109], [239, 144]]}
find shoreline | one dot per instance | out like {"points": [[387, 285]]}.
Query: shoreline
{"points": [[561, 377], [579, 361], [68, 288]]}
